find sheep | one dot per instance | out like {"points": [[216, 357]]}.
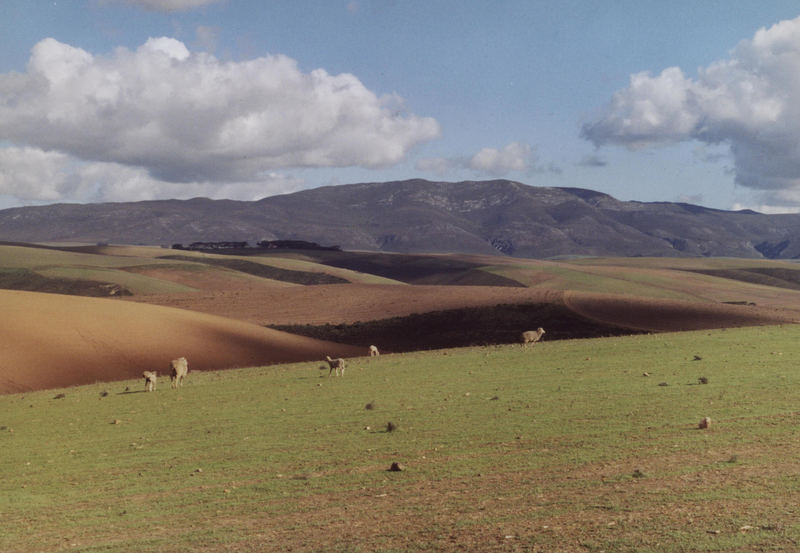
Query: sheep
{"points": [[704, 423], [373, 351], [178, 370], [336, 365], [150, 378], [531, 336]]}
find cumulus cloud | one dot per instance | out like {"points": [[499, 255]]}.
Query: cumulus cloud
{"points": [[34, 175], [749, 102], [182, 117], [514, 157]]}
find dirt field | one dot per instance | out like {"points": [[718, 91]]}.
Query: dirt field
{"points": [[53, 340], [350, 303]]}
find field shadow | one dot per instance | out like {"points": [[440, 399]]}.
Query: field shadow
{"points": [[472, 326]]}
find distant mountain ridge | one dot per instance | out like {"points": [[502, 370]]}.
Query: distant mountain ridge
{"points": [[419, 216]]}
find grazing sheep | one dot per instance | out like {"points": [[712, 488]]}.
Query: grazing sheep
{"points": [[337, 365], [150, 378], [705, 423], [531, 336], [178, 370], [373, 351]]}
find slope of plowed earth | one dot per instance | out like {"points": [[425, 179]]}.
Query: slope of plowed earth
{"points": [[651, 295], [357, 303], [669, 297], [672, 315], [51, 340]]}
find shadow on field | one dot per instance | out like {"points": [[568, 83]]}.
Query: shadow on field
{"points": [[473, 326]]}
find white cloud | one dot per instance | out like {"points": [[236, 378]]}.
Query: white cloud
{"points": [[515, 157], [749, 102], [768, 209], [189, 118], [785, 200], [33, 175]]}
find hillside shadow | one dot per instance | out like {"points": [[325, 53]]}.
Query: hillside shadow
{"points": [[473, 326]]}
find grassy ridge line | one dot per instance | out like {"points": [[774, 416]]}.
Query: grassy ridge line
{"points": [[503, 449]]}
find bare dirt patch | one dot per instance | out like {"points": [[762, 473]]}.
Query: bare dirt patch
{"points": [[52, 340], [671, 315], [350, 304]]}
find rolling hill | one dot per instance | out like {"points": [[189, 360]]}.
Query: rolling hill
{"points": [[214, 309], [418, 216], [51, 340]]}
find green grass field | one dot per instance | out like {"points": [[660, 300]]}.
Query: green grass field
{"points": [[565, 447]]}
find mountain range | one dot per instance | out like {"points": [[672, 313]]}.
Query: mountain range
{"points": [[419, 216]]}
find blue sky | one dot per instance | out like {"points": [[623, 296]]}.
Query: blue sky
{"points": [[117, 100]]}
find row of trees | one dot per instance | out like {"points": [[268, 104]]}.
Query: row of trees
{"points": [[263, 244]]}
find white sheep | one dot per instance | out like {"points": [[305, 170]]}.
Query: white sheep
{"points": [[150, 378], [373, 351], [531, 336], [179, 368], [336, 365]]}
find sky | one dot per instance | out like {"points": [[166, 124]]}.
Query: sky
{"points": [[129, 100]]}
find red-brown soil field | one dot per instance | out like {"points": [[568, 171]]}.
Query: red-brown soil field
{"points": [[348, 303], [53, 340], [56, 340]]}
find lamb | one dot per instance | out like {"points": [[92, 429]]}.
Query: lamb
{"points": [[150, 378], [337, 365], [373, 351], [178, 369], [531, 336]]}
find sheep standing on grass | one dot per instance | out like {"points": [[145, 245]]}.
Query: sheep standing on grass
{"points": [[178, 370], [337, 365], [150, 378], [531, 336], [373, 351]]}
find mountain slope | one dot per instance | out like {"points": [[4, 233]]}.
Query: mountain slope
{"points": [[421, 216]]}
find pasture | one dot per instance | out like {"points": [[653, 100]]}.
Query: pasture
{"points": [[566, 447]]}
